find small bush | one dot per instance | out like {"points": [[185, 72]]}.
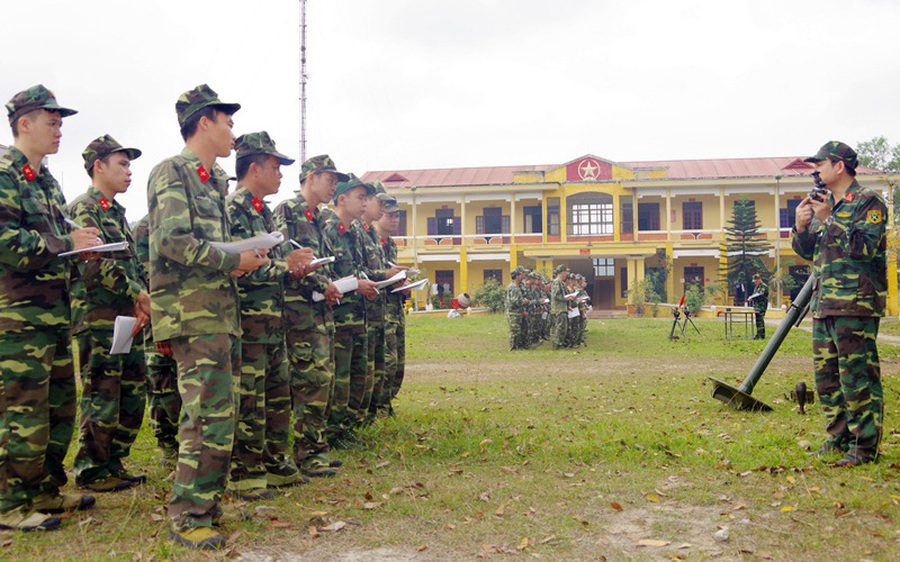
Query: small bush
{"points": [[491, 295]]}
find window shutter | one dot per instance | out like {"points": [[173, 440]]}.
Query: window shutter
{"points": [[432, 226], [457, 225], [479, 225]]}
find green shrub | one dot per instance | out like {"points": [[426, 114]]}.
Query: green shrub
{"points": [[491, 295]]}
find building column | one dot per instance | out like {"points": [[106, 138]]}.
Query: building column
{"points": [[617, 216], [670, 279], [634, 216], [512, 219], [462, 217], [463, 269], [721, 209], [513, 257], [668, 217]]}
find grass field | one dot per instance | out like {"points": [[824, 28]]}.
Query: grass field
{"points": [[615, 451]]}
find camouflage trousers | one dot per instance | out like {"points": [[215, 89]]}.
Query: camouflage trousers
{"points": [[208, 372], [112, 404], [352, 384], [848, 381], [264, 418], [394, 358], [760, 325], [376, 364], [163, 398], [558, 329], [311, 359], [517, 333], [37, 413]]}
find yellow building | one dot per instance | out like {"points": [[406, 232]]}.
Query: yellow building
{"points": [[611, 221]]}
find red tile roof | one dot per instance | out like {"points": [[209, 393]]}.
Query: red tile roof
{"points": [[677, 170]]}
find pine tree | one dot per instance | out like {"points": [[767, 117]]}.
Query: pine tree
{"points": [[744, 246]]}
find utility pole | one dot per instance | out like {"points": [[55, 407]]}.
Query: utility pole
{"points": [[303, 78]]}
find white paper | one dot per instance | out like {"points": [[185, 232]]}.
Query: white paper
{"points": [[572, 295], [122, 334], [317, 261], [260, 242], [391, 280], [753, 296], [344, 285], [111, 247], [573, 312], [412, 286]]}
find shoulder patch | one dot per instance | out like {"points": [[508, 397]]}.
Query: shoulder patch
{"points": [[874, 216]]}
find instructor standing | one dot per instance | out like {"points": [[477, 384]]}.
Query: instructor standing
{"points": [[843, 232]]}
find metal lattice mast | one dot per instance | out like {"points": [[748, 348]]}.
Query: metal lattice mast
{"points": [[303, 78]]}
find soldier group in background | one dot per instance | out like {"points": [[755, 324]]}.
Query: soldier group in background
{"points": [[233, 352], [530, 311]]}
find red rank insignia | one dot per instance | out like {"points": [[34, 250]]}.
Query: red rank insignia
{"points": [[849, 197], [204, 175], [104, 204], [29, 173], [257, 204], [384, 241], [366, 227], [309, 215], [341, 228]]}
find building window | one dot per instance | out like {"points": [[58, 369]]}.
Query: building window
{"points": [[533, 220], [401, 228], [604, 267], [493, 221], [623, 281], [627, 219], [692, 215], [592, 218], [787, 217], [495, 274], [693, 275], [648, 216], [443, 223], [553, 216]]}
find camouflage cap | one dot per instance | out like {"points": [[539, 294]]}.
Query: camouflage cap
{"points": [[320, 164], [836, 150], [351, 182], [103, 146], [32, 99], [380, 192], [559, 269], [756, 276], [390, 206], [202, 96], [251, 144]]}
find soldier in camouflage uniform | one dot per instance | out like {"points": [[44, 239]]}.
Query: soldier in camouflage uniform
{"points": [[37, 382], [260, 456], [163, 399], [843, 233], [558, 307], [760, 303], [375, 268], [113, 396], [584, 305], [309, 323], [195, 308], [394, 315], [516, 314], [352, 384]]}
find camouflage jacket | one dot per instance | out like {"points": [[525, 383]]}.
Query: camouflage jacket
{"points": [[761, 302], [393, 302], [108, 286], [303, 224], [34, 282], [558, 301], [191, 289], [515, 300], [848, 256], [348, 253], [374, 266], [141, 235], [262, 291], [584, 301]]}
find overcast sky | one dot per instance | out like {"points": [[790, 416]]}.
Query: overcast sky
{"points": [[407, 84]]}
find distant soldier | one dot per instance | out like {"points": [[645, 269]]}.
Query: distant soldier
{"points": [[260, 455], [352, 384], [558, 307], [195, 309], [760, 302], [515, 310], [843, 233], [163, 399], [308, 322], [395, 315], [37, 388], [113, 395]]}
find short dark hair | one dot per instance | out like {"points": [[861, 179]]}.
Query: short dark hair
{"points": [[850, 169], [242, 165], [105, 160], [190, 126]]}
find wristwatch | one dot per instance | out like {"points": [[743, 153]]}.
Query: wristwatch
{"points": [[830, 220]]}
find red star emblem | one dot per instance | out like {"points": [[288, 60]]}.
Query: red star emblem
{"points": [[204, 175], [104, 204], [341, 228], [29, 173], [849, 197], [257, 204], [309, 215]]}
